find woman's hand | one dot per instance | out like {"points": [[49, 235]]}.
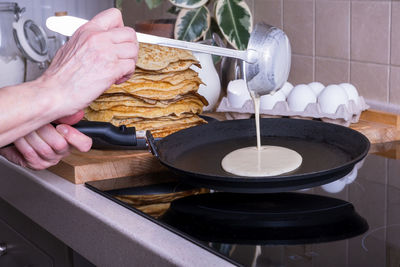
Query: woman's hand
{"points": [[100, 53], [48, 145]]}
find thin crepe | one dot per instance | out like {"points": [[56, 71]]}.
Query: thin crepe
{"points": [[171, 77], [130, 87], [162, 124], [193, 106], [131, 101], [155, 57], [160, 92], [132, 120], [172, 67]]}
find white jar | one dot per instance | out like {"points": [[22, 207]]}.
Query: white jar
{"points": [[12, 66], [211, 89], [20, 39]]}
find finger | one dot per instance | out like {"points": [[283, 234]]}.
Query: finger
{"points": [[75, 137], [108, 19], [125, 67], [53, 139], [41, 148], [122, 35], [12, 154], [71, 119], [126, 51], [33, 160], [123, 79]]}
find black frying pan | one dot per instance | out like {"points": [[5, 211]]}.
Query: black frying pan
{"points": [[329, 152]]}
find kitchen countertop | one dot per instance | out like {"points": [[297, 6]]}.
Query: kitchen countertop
{"points": [[102, 231]]}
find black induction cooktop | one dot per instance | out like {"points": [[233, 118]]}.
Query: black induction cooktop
{"points": [[354, 221]]}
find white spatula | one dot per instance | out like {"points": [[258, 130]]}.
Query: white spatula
{"points": [[67, 25], [266, 60]]}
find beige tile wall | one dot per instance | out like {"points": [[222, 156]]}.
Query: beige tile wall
{"points": [[333, 41], [346, 41]]}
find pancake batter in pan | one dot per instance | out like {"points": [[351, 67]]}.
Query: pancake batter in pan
{"points": [[261, 161]]}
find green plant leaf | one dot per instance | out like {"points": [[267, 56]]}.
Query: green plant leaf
{"points": [[235, 21], [214, 28], [153, 3], [118, 4], [174, 10], [192, 24], [188, 3]]}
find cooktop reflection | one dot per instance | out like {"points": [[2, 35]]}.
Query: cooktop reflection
{"points": [[354, 221]]}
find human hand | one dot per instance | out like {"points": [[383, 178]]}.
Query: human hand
{"points": [[100, 53], [46, 146]]}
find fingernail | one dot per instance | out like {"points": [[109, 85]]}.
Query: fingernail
{"points": [[62, 129]]}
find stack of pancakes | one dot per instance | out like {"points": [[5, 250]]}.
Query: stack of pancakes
{"points": [[161, 96]]}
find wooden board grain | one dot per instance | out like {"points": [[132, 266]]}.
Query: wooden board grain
{"points": [[381, 117], [378, 126], [101, 164]]}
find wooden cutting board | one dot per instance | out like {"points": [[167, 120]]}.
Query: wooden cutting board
{"points": [[379, 127], [101, 164]]}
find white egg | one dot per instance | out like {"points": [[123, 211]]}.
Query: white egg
{"points": [[331, 98], [300, 96], [286, 88], [237, 93], [317, 87], [269, 101], [351, 92]]}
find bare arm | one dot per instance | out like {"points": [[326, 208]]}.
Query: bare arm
{"points": [[24, 108], [100, 53]]}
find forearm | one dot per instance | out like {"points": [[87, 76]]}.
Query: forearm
{"points": [[99, 54], [24, 108]]}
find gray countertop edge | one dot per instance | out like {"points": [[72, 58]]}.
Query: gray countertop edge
{"points": [[102, 231]]}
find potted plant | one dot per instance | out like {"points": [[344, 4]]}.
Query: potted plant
{"points": [[230, 19]]}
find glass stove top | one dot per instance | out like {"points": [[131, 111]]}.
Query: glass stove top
{"points": [[373, 189]]}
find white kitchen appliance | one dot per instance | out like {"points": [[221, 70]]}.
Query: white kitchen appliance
{"points": [[20, 39]]}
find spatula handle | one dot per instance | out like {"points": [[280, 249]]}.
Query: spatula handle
{"points": [[208, 49]]}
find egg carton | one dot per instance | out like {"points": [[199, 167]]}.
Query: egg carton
{"points": [[343, 115]]}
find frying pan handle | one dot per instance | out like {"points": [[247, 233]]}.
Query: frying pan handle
{"points": [[107, 136], [152, 145], [104, 132]]}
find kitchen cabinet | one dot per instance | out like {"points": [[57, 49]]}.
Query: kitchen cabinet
{"points": [[24, 243], [18, 251]]}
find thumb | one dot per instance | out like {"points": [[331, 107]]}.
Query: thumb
{"points": [[108, 19], [74, 137]]}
